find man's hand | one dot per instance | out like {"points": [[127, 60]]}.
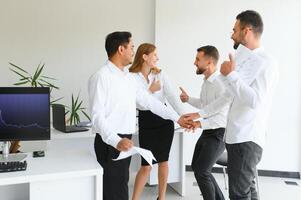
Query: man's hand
{"points": [[183, 96], [155, 86], [192, 116], [228, 66], [195, 125], [183, 122], [124, 144]]}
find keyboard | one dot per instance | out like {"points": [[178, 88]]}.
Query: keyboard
{"points": [[13, 166]]}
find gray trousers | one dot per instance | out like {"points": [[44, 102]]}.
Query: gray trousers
{"points": [[242, 161], [207, 151]]}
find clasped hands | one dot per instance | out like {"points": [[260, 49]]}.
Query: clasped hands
{"points": [[187, 121]]}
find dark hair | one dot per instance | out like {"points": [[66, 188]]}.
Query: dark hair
{"points": [[210, 51], [251, 18], [115, 39]]}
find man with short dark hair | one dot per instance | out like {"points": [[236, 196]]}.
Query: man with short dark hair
{"points": [[252, 93], [210, 145], [250, 82], [113, 94]]}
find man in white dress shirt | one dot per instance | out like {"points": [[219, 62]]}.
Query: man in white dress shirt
{"points": [[249, 86], [113, 94], [210, 145]]}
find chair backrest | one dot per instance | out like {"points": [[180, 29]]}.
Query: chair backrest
{"points": [[223, 159]]}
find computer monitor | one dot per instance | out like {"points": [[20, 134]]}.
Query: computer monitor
{"points": [[24, 115]]}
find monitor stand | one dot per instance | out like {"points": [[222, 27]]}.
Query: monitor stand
{"points": [[6, 157]]}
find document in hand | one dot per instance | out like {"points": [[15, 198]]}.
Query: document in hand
{"points": [[146, 154], [248, 64]]}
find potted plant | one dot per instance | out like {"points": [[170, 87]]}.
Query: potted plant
{"points": [[37, 79], [75, 110]]}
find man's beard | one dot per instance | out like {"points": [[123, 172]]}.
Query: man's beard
{"points": [[200, 71], [236, 44]]}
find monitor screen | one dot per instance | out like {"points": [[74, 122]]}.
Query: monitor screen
{"points": [[24, 113]]}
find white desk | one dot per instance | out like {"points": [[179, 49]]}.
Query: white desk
{"points": [[69, 170], [80, 149], [176, 177]]}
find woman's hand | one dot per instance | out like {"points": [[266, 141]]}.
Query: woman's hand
{"points": [[155, 86], [156, 70]]}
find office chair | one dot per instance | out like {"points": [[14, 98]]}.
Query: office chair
{"points": [[223, 161]]}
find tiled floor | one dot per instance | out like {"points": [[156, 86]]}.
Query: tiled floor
{"points": [[270, 189]]}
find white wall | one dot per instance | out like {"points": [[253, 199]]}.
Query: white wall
{"points": [[68, 36], [183, 26]]}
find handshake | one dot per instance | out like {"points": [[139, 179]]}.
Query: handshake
{"points": [[187, 121]]}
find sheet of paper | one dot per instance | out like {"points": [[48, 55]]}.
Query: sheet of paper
{"points": [[146, 154]]}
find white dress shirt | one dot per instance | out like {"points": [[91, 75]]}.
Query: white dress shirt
{"points": [[250, 94], [113, 95], [166, 93], [212, 89]]}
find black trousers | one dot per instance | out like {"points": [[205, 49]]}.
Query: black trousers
{"points": [[115, 173], [242, 161], [207, 151]]}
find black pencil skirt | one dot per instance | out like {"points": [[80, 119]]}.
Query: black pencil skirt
{"points": [[155, 134]]}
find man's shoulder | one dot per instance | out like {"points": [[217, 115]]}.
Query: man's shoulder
{"points": [[102, 72], [266, 57], [133, 77]]}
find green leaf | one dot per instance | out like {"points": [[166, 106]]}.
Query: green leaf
{"points": [[86, 114], [23, 79], [72, 102], [18, 73], [49, 84], [48, 77], [40, 84], [21, 83], [18, 67], [71, 118], [38, 72], [76, 101], [78, 106], [77, 118], [56, 100]]}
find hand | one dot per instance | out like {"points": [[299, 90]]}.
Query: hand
{"points": [[183, 96], [195, 125], [192, 116], [228, 66], [155, 86], [124, 144], [156, 70], [183, 122]]}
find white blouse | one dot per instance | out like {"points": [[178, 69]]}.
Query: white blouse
{"points": [[166, 93]]}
